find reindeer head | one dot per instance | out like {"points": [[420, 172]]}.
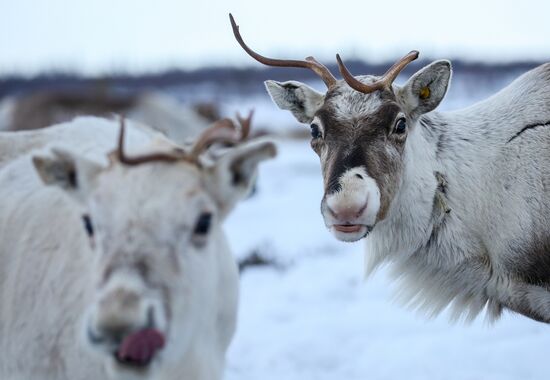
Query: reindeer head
{"points": [[359, 128], [154, 225]]}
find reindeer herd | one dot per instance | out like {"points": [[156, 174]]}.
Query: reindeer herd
{"points": [[113, 260]]}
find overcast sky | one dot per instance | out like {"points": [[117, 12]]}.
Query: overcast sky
{"points": [[99, 36]]}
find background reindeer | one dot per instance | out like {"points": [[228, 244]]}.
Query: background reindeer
{"points": [[120, 269], [458, 202], [181, 123]]}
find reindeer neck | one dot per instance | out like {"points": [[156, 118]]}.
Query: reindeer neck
{"points": [[409, 223]]}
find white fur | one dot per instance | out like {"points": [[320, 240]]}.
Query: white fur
{"points": [[463, 263]]}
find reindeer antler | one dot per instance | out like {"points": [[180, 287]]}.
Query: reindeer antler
{"points": [[309, 63], [136, 160], [245, 124], [222, 131], [384, 82]]}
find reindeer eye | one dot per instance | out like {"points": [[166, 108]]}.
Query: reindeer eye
{"points": [[203, 223], [400, 126], [88, 226], [315, 131]]}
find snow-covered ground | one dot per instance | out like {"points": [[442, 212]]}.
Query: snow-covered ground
{"points": [[315, 317]]}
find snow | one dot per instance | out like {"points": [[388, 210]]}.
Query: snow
{"points": [[315, 317]]}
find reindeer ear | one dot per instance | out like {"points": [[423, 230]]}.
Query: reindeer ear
{"points": [[426, 89], [296, 97], [234, 174], [66, 170]]}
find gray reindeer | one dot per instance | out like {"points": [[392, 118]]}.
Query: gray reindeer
{"points": [[458, 202]]}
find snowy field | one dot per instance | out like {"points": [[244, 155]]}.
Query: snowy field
{"points": [[314, 316], [311, 314]]}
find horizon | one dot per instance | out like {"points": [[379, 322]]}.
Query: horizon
{"points": [[358, 66], [102, 37]]}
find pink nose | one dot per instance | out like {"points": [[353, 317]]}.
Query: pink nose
{"points": [[348, 214]]}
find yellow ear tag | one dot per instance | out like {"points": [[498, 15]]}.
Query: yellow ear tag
{"points": [[424, 93]]}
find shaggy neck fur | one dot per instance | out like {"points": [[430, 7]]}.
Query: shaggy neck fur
{"points": [[459, 259], [427, 248]]}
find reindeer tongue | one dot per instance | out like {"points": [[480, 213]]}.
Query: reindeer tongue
{"points": [[140, 347]]}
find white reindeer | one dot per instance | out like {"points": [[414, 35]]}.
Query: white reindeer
{"points": [[120, 269], [458, 202]]}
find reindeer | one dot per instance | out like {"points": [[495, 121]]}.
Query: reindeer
{"points": [[458, 203], [119, 268], [41, 109]]}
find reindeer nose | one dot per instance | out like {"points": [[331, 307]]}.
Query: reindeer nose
{"points": [[118, 313], [348, 213]]}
